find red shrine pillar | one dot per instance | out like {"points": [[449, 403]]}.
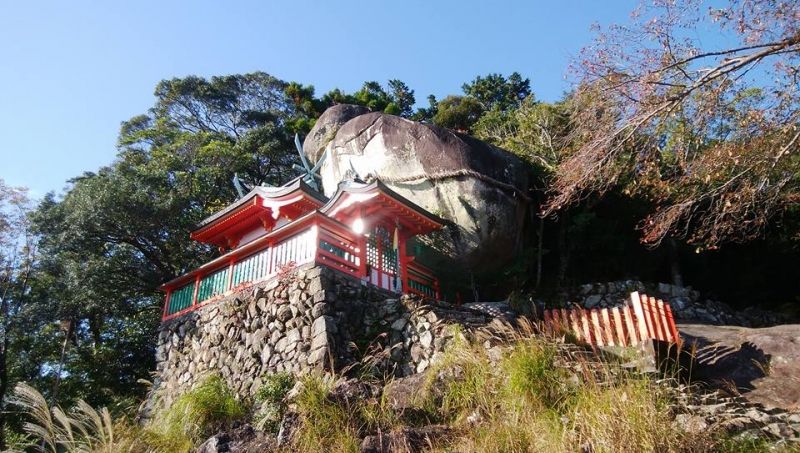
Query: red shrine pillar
{"points": [[196, 289], [362, 247], [231, 265], [166, 303], [402, 239]]}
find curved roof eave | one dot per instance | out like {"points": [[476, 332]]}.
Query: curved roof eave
{"points": [[266, 193], [345, 187]]}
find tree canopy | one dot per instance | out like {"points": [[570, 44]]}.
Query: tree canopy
{"points": [[709, 134]]}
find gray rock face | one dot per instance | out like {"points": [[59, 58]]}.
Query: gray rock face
{"points": [[326, 127], [764, 364], [700, 410], [480, 188], [686, 303], [404, 439]]}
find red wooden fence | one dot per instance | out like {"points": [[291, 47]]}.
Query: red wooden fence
{"points": [[640, 319]]}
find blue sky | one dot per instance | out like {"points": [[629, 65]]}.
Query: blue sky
{"points": [[70, 72]]}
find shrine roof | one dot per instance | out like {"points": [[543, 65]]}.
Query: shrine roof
{"points": [[265, 192], [262, 205], [382, 198]]}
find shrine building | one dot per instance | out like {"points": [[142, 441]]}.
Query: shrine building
{"points": [[363, 230]]}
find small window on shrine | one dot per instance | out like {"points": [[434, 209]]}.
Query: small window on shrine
{"points": [[380, 244]]}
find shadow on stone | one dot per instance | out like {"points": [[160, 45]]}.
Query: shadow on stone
{"points": [[730, 368]]}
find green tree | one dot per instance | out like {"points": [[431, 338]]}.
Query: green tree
{"points": [[458, 112], [308, 107], [426, 114], [495, 92], [536, 131], [397, 100], [17, 260], [373, 96], [119, 233], [402, 99]]}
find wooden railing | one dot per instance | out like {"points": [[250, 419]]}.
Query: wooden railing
{"points": [[312, 238], [421, 281], [237, 272], [338, 251], [642, 318]]}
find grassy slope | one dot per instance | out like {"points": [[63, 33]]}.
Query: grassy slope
{"points": [[531, 398]]}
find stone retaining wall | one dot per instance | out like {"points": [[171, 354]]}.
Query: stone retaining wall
{"points": [[312, 319], [280, 325], [687, 303]]}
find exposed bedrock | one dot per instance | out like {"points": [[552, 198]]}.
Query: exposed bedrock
{"points": [[481, 190], [326, 127]]}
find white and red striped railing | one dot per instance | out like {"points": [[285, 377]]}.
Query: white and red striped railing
{"points": [[640, 319]]}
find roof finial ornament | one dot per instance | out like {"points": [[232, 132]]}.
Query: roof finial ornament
{"points": [[311, 173], [237, 184], [351, 175]]}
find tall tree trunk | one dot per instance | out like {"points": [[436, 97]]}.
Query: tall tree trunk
{"points": [[563, 250], [68, 332], [539, 252], [96, 327], [475, 296], [675, 263], [519, 240], [3, 388], [5, 311]]}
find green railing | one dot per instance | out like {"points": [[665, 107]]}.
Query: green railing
{"points": [[338, 252], [328, 245], [422, 288], [181, 298], [334, 249], [299, 249], [213, 285], [422, 281]]}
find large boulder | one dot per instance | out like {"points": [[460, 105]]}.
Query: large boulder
{"points": [[763, 364], [326, 127], [481, 190]]}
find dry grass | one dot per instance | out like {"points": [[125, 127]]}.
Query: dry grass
{"points": [[194, 416], [535, 397], [326, 425], [82, 429], [527, 402], [329, 424]]}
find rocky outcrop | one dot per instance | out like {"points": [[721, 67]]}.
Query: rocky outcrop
{"points": [[763, 365], [420, 335], [698, 411], [326, 126], [241, 439], [480, 189], [686, 303], [405, 439]]}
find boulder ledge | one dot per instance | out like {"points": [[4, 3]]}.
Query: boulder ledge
{"points": [[481, 190]]}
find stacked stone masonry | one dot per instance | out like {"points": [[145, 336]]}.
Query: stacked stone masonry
{"points": [[686, 302], [313, 319]]}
